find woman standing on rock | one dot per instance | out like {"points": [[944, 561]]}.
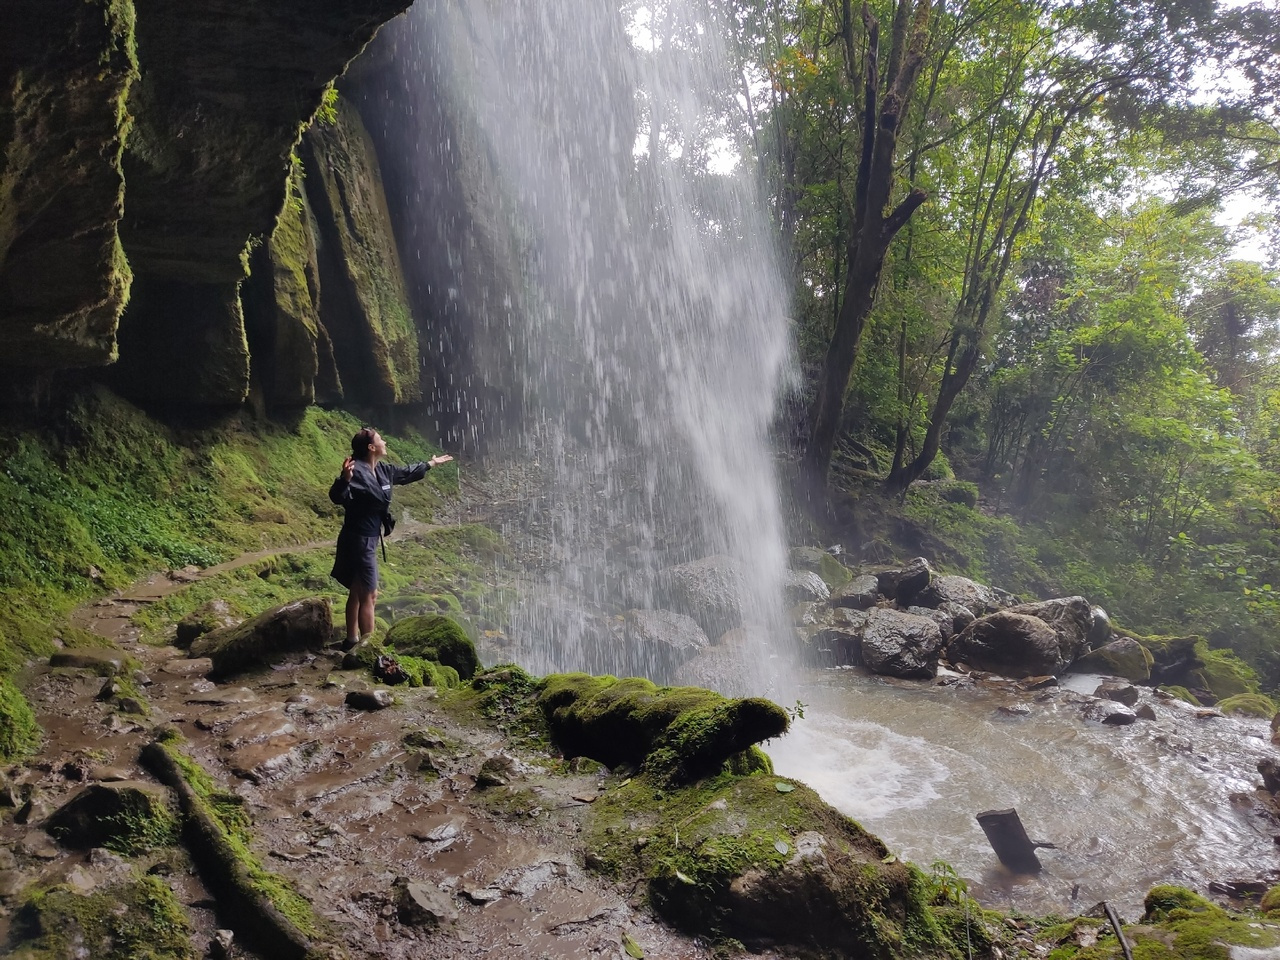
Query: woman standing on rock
{"points": [[363, 490]]}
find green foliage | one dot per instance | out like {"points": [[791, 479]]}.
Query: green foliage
{"points": [[19, 733], [137, 920]]}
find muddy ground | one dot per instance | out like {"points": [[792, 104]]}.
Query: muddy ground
{"points": [[340, 806]]}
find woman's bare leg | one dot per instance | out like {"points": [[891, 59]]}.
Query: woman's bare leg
{"points": [[353, 613], [366, 612]]}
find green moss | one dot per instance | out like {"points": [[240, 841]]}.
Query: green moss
{"points": [[436, 638], [227, 812], [138, 920], [833, 572], [1182, 693], [676, 733], [1223, 673], [19, 733], [1250, 705], [689, 845], [1270, 901]]}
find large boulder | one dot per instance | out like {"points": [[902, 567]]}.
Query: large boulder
{"points": [[677, 734], [900, 644], [835, 635], [661, 637], [1125, 658], [711, 590], [950, 618], [903, 583], [860, 593], [1008, 643], [1070, 617], [291, 627], [803, 585], [975, 597]]}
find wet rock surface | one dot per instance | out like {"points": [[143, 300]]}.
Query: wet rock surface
{"points": [[355, 809]]}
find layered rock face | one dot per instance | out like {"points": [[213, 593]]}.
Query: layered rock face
{"points": [[153, 142], [65, 71]]}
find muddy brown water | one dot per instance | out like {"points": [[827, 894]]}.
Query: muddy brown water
{"points": [[339, 806]]}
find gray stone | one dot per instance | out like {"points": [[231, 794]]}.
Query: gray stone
{"points": [[974, 597], [289, 628], [105, 663], [423, 904], [103, 813], [1070, 617], [899, 644], [195, 667], [1145, 711], [496, 771], [1009, 643], [1125, 693], [369, 699], [1125, 658], [860, 593], [711, 590], [1269, 767], [803, 585], [903, 583], [670, 634], [1109, 712]]}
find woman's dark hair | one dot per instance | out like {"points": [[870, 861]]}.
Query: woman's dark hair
{"points": [[362, 441]]}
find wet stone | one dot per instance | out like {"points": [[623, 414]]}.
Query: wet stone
{"points": [[268, 760], [1145, 712], [368, 699], [198, 667], [105, 663], [482, 895], [39, 845], [1125, 693], [423, 904], [496, 771], [259, 726], [12, 883], [216, 697], [104, 774], [132, 706]]}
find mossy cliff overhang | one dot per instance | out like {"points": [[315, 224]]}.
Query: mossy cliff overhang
{"points": [[148, 141], [224, 92], [65, 71]]}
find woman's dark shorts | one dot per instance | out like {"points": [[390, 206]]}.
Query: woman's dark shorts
{"points": [[356, 562]]}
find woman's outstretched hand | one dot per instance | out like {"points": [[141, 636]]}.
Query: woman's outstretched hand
{"points": [[436, 461], [348, 469]]}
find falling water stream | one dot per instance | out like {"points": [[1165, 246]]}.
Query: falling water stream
{"points": [[630, 318]]}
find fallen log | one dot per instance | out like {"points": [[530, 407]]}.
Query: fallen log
{"points": [[1009, 840]]}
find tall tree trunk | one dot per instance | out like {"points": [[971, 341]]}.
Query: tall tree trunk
{"points": [[874, 225]]}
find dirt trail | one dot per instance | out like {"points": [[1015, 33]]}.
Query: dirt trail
{"points": [[340, 806]]}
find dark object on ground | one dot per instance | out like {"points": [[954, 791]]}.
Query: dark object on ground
{"points": [[1009, 840], [300, 625]]}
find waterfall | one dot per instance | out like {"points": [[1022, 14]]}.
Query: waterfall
{"points": [[630, 319]]}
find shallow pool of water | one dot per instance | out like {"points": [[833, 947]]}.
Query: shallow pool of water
{"points": [[1127, 807]]}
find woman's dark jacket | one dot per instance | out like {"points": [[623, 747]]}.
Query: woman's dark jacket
{"points": [[367, 497]]}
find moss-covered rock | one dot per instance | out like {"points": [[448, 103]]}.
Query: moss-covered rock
{"points": [[126, 817], [19, 732], [138, 920], [677, 734], [1125, 658], [763, 860], [1183, 694], [365, 305], [1222, 673], [1249, 705], [293, 362], [216, 829], [301, 625], [437, 638]]}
